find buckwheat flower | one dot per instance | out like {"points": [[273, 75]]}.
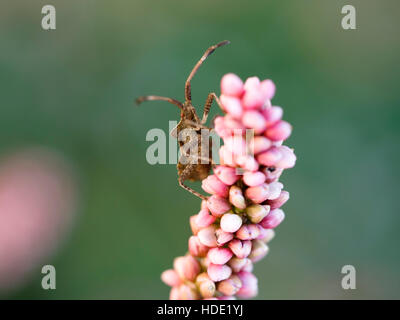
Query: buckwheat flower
{"points": [[233, 229]]}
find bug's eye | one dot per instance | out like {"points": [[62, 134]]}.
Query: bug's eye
{"points": [[271, 169]]}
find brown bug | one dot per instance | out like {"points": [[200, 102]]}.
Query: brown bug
{"points": [[188, 165]]}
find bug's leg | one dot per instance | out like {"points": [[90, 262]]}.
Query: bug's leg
{"points": [[183, 177], [149, 98], [210, 50], [211, 96]]}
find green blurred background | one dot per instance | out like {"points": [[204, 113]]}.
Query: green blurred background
{"points": [[72, 90]]}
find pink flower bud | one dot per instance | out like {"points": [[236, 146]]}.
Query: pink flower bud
{"points": [[288, 158], [252, 83], [187, 267], [223, 237], [272, 174], [248, 267], [193, 225], [213, 185], [236, 144], [280, 201], [241, 249], [237, 264], [232, 106], [234, 126], [204, 218], [247, 162], [219, 272], [274, 190], [248, 232], [220, 127], [249, 287], [230, 222], [219, 255], [236, 197], [174, 294], [257, 194], [253, 99], [218, 205], [268, 88], [254, 120], [207, 236], [226, 157], [230, 286], [171, 278], [231, 85], [279, 131], [272, 115], [266, 235], [270, 157], [258, 250], [187, 292], [207, 289], [257, 212], [226, 174], [273, 219], [196, 248], [253, 179], [260, 144]]}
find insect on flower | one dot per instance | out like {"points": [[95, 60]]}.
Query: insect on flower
{"points": [[192, 165]]}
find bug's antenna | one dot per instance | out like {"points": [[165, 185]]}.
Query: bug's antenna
{"points": [[170, 100], [209, 51]]}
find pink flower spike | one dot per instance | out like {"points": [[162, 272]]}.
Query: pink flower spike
{"points": [[272, 115], [279, 131], [248, 232], [226, 174], [254, 120], [258, 251], [187, 267], [241, 249], [223, 237], [218, 205], [268, 88], [171, 278], [215, 186], [253, 179], [187, 292], [234, 126], [253, 99], [232, 106], [220, 128], [204, 218], [207, 289], [280, 201], [230, 286], [249, 287], [232, 85], [257, 212], [273, 219], [236, 197], [218, 272], [219, 255], [257, 194], [237, 264], [207, 236], [196, 248], [272, 174], [230, 222], [270, 157], [248, 267]]}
